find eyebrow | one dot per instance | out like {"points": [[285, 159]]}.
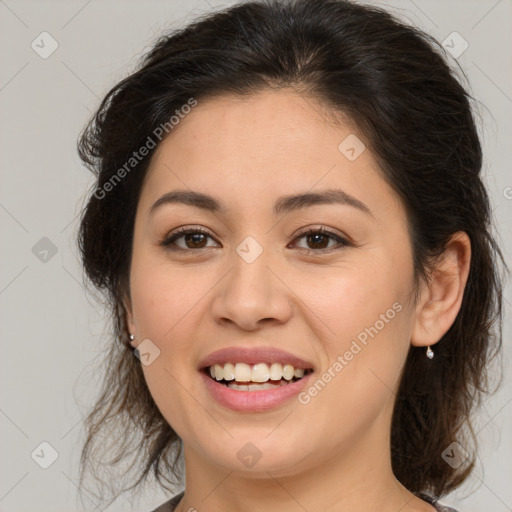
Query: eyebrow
{"points": [[283, 205]]}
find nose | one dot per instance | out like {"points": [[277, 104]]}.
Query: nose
{"points": [[251, 295]]}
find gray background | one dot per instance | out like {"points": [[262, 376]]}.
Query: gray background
{"points": [[51, 331]]}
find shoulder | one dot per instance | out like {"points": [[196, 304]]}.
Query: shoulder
{"points": [[170, 505], [443, 508], [435, 503]]}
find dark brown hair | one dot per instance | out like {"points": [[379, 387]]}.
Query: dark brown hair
{"points": [[394, 83]]}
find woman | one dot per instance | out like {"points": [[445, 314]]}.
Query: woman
{"points": [[291, 229]]}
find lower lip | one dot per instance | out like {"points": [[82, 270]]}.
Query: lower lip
{"points": [[253, 401]]}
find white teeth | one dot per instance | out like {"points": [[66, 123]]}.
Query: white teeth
{"points": [[261, 372], [229, 371], [276, 371], [299, 373], [255, 387], [219, 373], [242, 372], [288, 371]]}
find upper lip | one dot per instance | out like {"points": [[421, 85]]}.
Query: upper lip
{"points": [[253, 355]]}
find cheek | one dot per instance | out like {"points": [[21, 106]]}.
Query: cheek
{"points": [[167, 308], [364, 341], [356, 388], [353, 299], [163, 296]]}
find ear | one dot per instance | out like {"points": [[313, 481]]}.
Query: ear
{"points": [[129, 318], [440, 302]]}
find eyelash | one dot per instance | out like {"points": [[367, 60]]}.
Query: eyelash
{"points": [[171, 237]]}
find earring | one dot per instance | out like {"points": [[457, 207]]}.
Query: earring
{"points": [[430, 352], [132, 337]]}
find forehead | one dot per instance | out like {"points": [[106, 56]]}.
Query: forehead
{"points": [[273, 143]]}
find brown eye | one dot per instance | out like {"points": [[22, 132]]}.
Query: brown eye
{"points": [[318, 239], [194, 238]]}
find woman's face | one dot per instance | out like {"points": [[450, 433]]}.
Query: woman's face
{"points": [[255, 281]]}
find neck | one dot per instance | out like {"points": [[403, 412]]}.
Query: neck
{"points": [[358, 478]]}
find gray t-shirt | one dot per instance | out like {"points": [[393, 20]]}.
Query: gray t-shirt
{"points": [[170, 505]]}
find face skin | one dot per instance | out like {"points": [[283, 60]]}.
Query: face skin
{"points": [[333, 452]]}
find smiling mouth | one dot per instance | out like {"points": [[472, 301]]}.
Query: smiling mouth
{"points": [[251, 385]]}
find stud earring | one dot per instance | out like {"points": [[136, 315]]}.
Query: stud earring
{"points": [[132, 337]]}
